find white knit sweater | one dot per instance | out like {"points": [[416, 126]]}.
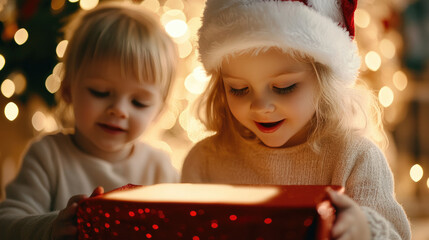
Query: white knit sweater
{"points": [[54, 170], [358, 165]]}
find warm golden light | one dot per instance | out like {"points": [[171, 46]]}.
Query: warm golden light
{"points": [[88, 4], [73, 1], [185, 49], [416, 172], [57, 4], [58, 70], [176, 28], [38, 120], [173, 4], [362, 18], [20, 82], [21, 36], [173, 14], [152, 5], [385, 96], [197, 81], [387, 48], [373, 61], [400, 80], [2, 62], [8, 88], [427, 183], [168, 119], [11, 111], [61, 48], [52, 83]]}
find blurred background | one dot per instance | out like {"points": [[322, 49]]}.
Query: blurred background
{"points": [[393, 37]]}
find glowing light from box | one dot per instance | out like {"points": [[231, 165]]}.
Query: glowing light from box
{"points": [[21, 36], [176, 28], [373, 61], [173, 4], [57, 4], [400, 80], [387, 48], [416, 172], [11, 111], [61, 48], [52, 83], [152, 5], [185, 49], [385, 96], [2, 62], [8, 88], [362, 18], [20, 82], [38, 120], [88, 4], [196, 82]]}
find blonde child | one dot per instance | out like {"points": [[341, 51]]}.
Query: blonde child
{"points": [[118, 69], [286, 109]]}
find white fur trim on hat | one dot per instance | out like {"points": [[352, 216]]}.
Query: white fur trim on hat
{"points": [[315, 29]]}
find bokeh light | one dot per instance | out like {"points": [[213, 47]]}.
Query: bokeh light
{"points": [[88, 4], [387, 48], [416, 172], [52, 83], [11, 111], [2, 61], [176, 28], [373, 61], [21, 36], [400, 80], [362, 18], [61, 48], [152, 5], [385, 96], [38, 120], [8, 88]]}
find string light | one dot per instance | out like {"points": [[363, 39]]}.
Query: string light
{"points": [[8, 88], [416, 172], [2, 61], [400, 80], [11, 111], [373, 61], [61, 48], [385, 96], [362, 18]]}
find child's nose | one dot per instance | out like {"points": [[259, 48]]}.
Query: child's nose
{"points": [[118, 109], [262, 105]]}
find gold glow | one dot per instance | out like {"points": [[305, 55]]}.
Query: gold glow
{"points": [[387, 48], [21, 36], [152, 5], [385, 96], [73, 1], [173, 4], [38, 120], [373, 61], [197, 81], [88, 4], [427, 183], [57, 4], [61, 48], [52, 83], [2, 62], [171, 15], [176, 28], [20, 82], [400, 80], [362, 18], [11, 111], [416, 172], [8, 88], [185, 49]]}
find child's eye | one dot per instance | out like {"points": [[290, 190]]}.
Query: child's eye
{"points": [[98, 94], [239, 92], [139, 104], [285, 90]]}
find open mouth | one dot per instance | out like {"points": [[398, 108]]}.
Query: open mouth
{"points": [[269, 127]]}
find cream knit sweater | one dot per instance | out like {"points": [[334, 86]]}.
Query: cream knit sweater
{"points": [[358, 165], [54, 170]]}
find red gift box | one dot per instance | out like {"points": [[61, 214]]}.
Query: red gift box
{"points": [[208, 211]]}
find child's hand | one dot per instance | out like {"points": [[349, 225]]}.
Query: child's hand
{"points": [[64, 226], [351, 222]]}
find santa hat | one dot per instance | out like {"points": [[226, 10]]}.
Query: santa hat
{"points": [[323, 29]]}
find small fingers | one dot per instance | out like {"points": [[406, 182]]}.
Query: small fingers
{"points": [[97, 191], [76, 199], [68, 212]]}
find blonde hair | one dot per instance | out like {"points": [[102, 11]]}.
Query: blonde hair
{"points": [[341, 110], [124, 32]]}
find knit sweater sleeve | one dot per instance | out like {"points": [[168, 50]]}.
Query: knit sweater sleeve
{"points": [[370, 184], [194, 168], [25, 213]]}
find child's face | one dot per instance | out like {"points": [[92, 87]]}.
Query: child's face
{"points": [[111, 111], [271, 94]]}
